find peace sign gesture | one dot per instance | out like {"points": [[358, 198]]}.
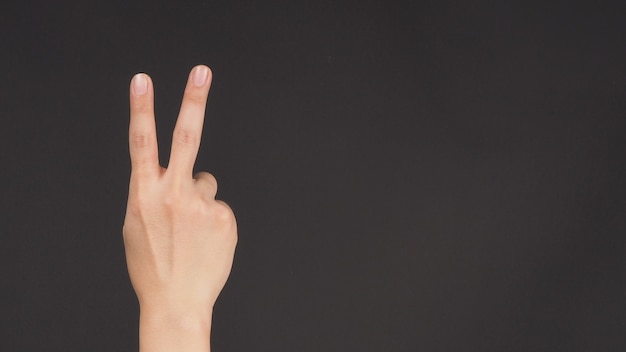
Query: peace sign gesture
{"points": [[179, 240]]}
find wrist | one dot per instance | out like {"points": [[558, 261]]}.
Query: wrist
{"points": [[173, 319], [165, 304], [172, 329]]}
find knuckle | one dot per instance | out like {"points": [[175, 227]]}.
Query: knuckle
{"points": [[134, 209], [210, 190], [142, 106], [172, 199], [204, 174], [207, 179], [224, 213], [136, 203], [195, 97], [211, 178], [137, 210], [140, 140], [185, 136], [139, 204]]}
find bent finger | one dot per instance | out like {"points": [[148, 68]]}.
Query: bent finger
{"points": [[207, 184]]}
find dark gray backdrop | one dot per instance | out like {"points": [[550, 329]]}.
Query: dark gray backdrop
{"points": [[439, 176]]}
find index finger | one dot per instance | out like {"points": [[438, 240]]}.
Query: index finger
{"points": [[188, 130], [142, 138]]}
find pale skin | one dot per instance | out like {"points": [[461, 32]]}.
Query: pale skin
{"points": [[179, 240]]}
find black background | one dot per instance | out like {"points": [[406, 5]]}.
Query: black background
{"points": [[432, 176]]}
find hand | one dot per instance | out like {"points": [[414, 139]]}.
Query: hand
{"points": [[179, 240]]}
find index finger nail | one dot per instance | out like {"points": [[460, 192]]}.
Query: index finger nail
{"points": [[140, 84], [200, 75]]}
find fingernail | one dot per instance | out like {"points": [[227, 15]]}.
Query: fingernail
{"points": [[140, 84], [200, 75]]}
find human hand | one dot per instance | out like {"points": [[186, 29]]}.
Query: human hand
{"points": [[179, 240]]}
